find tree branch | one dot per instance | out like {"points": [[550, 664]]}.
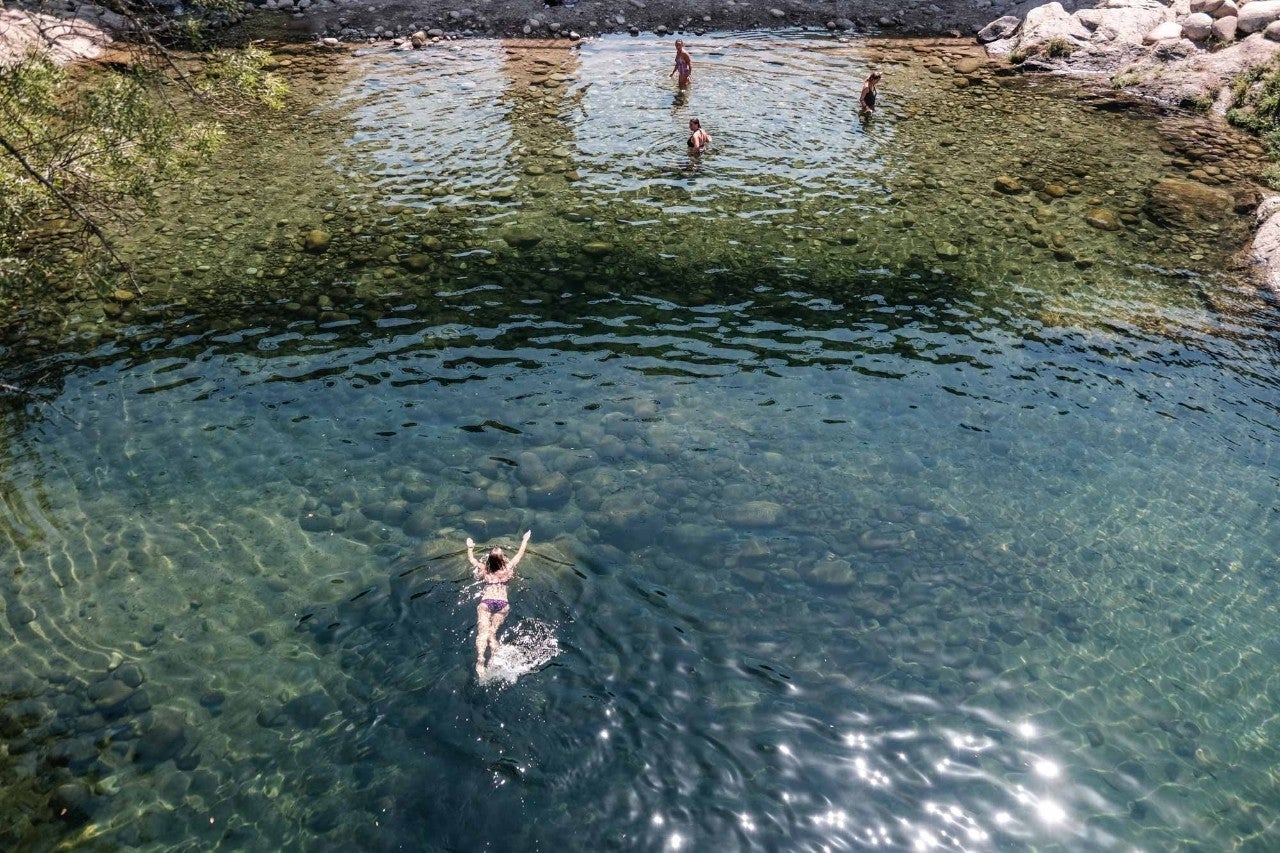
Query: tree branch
{"points": [[73, 208]]}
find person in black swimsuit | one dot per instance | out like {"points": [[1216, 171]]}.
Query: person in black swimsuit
{"points": [[699, 139], [867, 100], [496, 572]]}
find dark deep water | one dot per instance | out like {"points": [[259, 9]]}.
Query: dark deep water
{"points": [[839, 543]]}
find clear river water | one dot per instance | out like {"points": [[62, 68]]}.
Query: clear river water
{"points": [[899, 484]]}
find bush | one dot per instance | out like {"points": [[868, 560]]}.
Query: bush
{"points": [[1059, 48]]}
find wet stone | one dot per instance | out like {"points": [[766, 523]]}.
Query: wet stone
{"points": [[1008, 185], [308, 711], [19, 612], [18, 716], [109, 696], [752, 514], [72, 803], [163, 739], [271, 718], [75, 753], [316, 241], [130, 674]]}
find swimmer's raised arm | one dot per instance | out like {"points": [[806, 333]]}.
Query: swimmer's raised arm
{"points": [[524, 543], [471, 555]]}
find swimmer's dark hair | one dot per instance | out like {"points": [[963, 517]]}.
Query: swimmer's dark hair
{"points": [[875, 75], [497, 560], [695, 121]]}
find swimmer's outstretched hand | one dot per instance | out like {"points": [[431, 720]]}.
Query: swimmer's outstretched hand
{"points": [[470, 542], [527, 534]]}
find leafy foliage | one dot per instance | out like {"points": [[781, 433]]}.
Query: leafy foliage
{"points": [[1255, 103], [93, 148]]}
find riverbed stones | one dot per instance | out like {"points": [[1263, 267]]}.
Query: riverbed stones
{"points": [[109, 696], [1183, 202], [1008, 185], [752, 514], [309, 710], [1102, 219], [835, 573], [163, 739], [316, 241], [1224, 29]]}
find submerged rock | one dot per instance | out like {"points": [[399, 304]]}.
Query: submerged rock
{"points": [[162, 740], [1008, 185], [1102, 219], [1182, 202], [316, 241], [309, 710]]}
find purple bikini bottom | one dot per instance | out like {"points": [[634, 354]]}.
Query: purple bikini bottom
{"points": [[495, 605]]}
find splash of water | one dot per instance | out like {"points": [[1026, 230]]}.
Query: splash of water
{"points": [[527, 647]]}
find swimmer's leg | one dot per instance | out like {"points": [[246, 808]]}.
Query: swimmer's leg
{"points": [[482, 636], [494, 624]]}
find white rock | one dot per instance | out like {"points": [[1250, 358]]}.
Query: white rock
{"points": [[1224, 29], [1266, 242], [1051, 22], [1197, 27], [1124, 25], [1167, 31], [1206, 6], [1255, 16], [1131, 4], [1001, 47], [1272, 31], [1228, 9], [329, 41]]}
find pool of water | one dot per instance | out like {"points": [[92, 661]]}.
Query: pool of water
{"points": [[865, 511]]}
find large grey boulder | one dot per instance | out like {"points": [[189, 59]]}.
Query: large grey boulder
{"points": [[1206, 6], [1052, 23], [1266, 242], [1000, 28], [1224, 29], [1197, 27], [1255, 16], [1124, 24], [1228, 9]]}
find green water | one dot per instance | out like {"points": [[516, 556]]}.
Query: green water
{"points": [[866, 512]]}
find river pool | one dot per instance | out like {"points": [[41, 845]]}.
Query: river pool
{"points": [[884, 492]]}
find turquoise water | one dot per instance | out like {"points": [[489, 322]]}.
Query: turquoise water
{"points": [[836, 545]]}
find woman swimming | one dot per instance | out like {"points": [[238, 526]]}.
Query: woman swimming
{"points": [[496, 572], [699, 139]]}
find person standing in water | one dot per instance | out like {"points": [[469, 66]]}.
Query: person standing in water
{"points": [[496, 572], [867, 100], [699, 139], [683, 67]]}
